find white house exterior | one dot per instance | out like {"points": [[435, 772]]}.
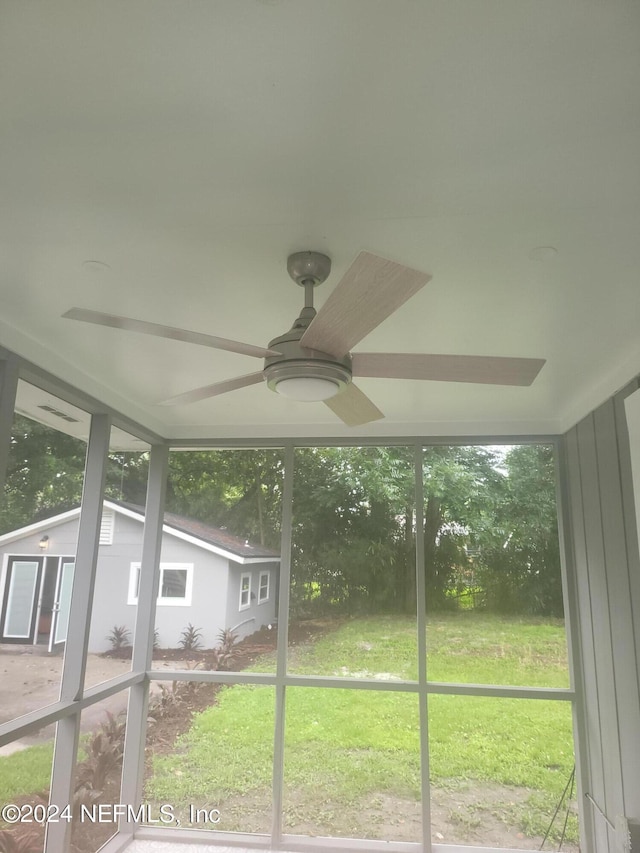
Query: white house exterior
{"points": [[208, 578]]}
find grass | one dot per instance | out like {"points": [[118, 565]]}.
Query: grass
{"points": [[28, 771], [25, 772], [345, 749], [464, 647], [485, 649], [350, 754]]}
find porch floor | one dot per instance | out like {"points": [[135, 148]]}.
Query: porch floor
{"points": [[178, 847]]}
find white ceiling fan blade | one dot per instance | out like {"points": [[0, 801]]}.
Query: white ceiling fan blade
{"points": [[370, 291], [487, 370], [130, 325], [213, 390], [353, 407]]}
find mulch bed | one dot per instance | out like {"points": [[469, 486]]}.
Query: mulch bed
{"points": [[246, 651]]}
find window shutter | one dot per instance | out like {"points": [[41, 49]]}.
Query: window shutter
{"points": [[106, 527]]}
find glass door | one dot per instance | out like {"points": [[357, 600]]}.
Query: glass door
{"points": [[20, 599], [62, 603]]}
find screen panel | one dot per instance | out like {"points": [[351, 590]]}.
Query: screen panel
{"points": [[499, 770], [352, 764]]}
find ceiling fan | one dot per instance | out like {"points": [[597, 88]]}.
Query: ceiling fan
{"points": [[313, 362]]}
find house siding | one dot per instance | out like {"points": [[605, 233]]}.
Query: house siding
{"points": [[110, 606], [215, 590], [63, 540], [207, 610], [603, 541], [257, 615]]}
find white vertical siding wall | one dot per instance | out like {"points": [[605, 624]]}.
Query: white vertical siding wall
{"points": [[603, 533]]}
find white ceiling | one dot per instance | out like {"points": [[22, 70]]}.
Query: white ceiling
{"points": [[191, 145]]}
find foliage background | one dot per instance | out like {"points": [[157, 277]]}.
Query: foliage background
{"points": [[490, 525]]}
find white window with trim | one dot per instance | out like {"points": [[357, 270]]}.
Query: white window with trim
{"points": [[263, 586], [175, 588], [245, 591]]}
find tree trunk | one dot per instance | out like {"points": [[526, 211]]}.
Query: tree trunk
{"points": [[432, 525], [260, 500], [409, 562]]}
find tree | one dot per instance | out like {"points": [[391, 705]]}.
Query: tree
{"points": [[349, 548], [354, 512], [45, 472], [237, 489], [462, 485], [520, 565]]}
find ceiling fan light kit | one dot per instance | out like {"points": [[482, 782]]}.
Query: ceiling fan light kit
{"points": [[307, 379], [306, 389], [312, 362]]}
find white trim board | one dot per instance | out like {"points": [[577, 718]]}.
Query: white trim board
{"points": [[55, 520]]}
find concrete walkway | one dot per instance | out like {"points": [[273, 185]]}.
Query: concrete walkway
{"points": [[30, 679]]}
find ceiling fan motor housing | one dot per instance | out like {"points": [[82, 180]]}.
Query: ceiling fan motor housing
{"points": [[297, 362]]}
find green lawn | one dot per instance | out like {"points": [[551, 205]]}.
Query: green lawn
{"points": [[351, 755], [463, 647], [25, 772]]}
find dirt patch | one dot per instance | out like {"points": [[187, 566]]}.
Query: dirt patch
{"points": [[477, 814], [485, 814], [31, 680]]}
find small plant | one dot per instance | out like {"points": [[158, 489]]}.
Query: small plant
{"points": [[227, 648], [113, 729], [190, 639], [163, 703], [104, 756], [120, 637], [156, 639], [224, 655], [173, 698], [83, 796]]}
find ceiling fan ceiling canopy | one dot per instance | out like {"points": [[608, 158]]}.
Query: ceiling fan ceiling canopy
{"points": [[309, 268]]}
